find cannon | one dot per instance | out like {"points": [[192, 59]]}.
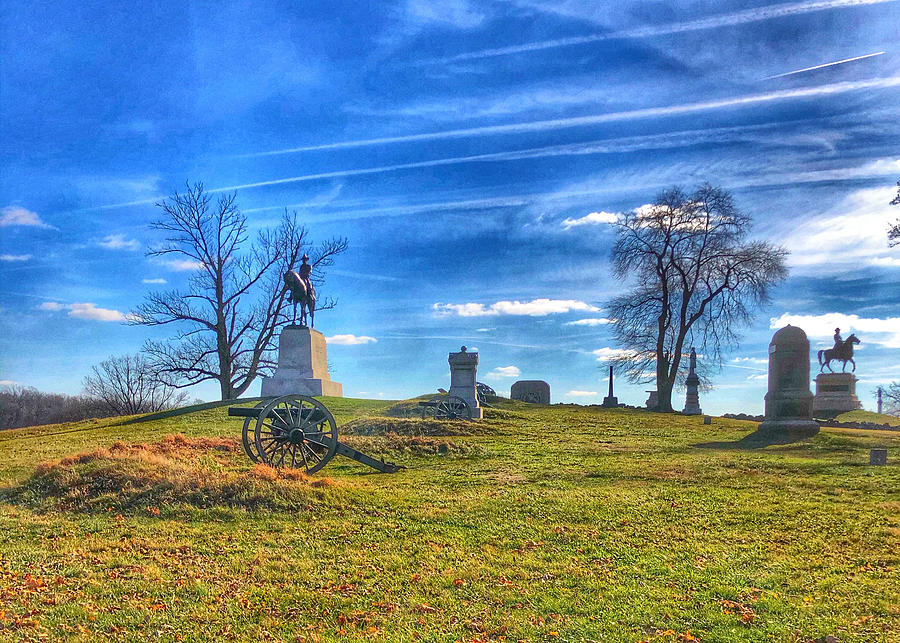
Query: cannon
{"points": [[297, 431], [446, 407]]}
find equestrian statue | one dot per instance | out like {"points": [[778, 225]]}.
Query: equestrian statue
{"points": [[843, 350], [302, 292]]}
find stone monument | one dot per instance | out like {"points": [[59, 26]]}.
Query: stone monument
{"points": [[789, 400], [531, 391], [463, 368], [302, 365], [652, 400], [692, 400], [610, 401], [835, 394]]}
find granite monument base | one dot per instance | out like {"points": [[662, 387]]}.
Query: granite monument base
{"points": [[302, 365], [835, 394]]}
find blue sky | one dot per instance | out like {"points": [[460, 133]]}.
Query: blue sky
{"points": [[471, 152]]}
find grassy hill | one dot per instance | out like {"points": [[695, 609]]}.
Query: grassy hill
{"points": [[557, 523]]}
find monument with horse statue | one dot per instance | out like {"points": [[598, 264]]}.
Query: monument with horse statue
{"points": [[302, 356], [836, 392]]}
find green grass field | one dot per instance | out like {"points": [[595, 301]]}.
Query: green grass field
{"points": [[558, 523]]}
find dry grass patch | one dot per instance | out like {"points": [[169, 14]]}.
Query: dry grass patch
{"points": [[174, 471]]}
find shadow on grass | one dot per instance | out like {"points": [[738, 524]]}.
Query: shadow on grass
{"points": [[755, 440]]}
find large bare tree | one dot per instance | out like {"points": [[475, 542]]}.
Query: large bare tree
{"points": [[228, 317], [126, 385], [694, 279]]}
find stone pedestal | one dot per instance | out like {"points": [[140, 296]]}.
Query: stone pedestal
{"points": [[789, 400], [302, 365], [835, 394], [652, 400], [463, 369], [531, 391], [692, 400]]}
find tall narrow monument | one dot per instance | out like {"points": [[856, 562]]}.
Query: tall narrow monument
{"points": [[463, 375], [789, 400], [692, 400], [610, 401]]}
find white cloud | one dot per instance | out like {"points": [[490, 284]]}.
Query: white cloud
{"points": [[119, 242], [755, 378], [885, 262], [851, 233], [750, 360], [593, 321], [582, 393], [606, 353], [157, 280], [183, 265], [86, 310], [454, 13], [9, 383], [593, 218], [351, 340], [15, 257], [533, 308], [504, 371], [885, 332], [14, 215]]}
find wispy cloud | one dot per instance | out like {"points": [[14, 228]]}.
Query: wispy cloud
{"points": [[823, 65], [14, 215], [157, 280], [582, 121], [351, 340], [577, 393], [606, 353], [11, 258], [533, 308], [594, 218], [594, 321], [86, 311], [119, 242], [504, 371], [182, 265], [722, 20]]}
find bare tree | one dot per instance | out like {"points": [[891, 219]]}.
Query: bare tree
{"points": [[126, 385], [894, 229], [891, 396], [696, 280], [229, 316], [26, 406]]}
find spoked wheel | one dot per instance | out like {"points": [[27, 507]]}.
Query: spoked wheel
{"points": [[248, 435], [296, 431], [449, 407]]}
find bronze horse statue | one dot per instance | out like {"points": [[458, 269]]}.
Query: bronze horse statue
{"points": [[844, 352], [303, 293]]}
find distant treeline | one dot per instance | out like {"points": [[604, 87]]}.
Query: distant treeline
{"points": [[25, 406]]}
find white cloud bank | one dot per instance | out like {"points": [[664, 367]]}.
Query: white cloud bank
{"points": [[533, 308], [504, 371], [594, 218], [11, 258], [119, 242], [14, 215], [885, 332], [183, 265], [87, 310], [582, 394], [350, 340]]}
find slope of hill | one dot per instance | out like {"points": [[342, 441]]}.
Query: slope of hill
{"points": [[550, 524]]}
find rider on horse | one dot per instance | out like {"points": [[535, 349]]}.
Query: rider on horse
{"points": [[305, 271], [838, 341]]}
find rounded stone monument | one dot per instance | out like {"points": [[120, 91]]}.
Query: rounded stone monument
{"points": [[531, 391], [789, 400]]}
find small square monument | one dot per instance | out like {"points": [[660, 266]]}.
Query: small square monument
{"points": [[531, 391], [463, 369]]}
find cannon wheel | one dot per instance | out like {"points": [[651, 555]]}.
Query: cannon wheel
{"points": [[449, 407], [296, 431], [248, 435]]}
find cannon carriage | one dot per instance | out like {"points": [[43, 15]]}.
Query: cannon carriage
{"points": [[299, 432]]}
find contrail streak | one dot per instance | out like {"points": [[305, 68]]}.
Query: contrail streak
{"points": [[831, 64], [723, 20], [581, 121]]}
